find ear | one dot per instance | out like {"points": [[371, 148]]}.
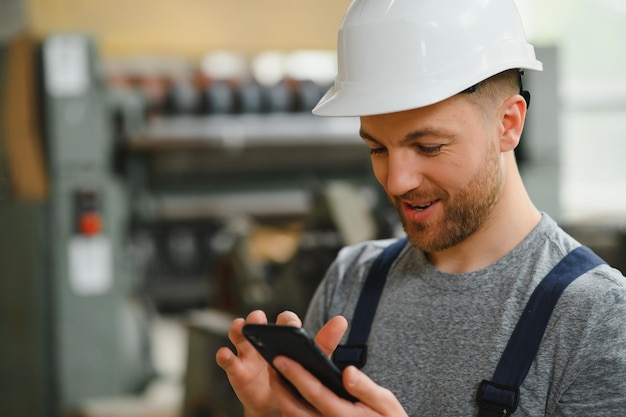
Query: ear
{"points": [[512, 117]]}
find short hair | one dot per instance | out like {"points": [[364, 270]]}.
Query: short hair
{"points": [[491, 91]]}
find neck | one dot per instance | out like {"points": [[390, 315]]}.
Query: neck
{"points": [[514, 216]]}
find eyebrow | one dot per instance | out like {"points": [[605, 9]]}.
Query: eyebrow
{"points": [[418, 134]]}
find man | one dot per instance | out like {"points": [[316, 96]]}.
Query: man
{"points": [[437, 87]]}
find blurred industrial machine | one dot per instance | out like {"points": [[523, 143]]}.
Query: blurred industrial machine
{"points": [[139, 188], [72, 325], [126, 198]]}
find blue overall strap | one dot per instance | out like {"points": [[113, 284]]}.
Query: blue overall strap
{"points": [[499, 397], [354, 352]]}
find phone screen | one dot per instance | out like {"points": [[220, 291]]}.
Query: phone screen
{"points": [[295, 343]]}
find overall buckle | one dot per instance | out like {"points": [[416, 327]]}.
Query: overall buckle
{"points": [[496, 399]]}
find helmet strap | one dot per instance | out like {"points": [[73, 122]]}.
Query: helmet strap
{"points": [[523, 93], [471, 89]]}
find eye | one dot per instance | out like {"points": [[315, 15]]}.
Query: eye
{"points": [[430, 150], [378, 151]]}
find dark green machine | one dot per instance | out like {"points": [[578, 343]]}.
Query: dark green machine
{"points": [[70, 326]]}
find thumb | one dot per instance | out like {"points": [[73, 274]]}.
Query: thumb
{"points": [[330, 334], [369, 393]]}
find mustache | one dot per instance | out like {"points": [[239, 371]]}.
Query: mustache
{"points": [[423, 195]]}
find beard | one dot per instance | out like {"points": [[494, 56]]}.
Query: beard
{"points": [[461, 214]]}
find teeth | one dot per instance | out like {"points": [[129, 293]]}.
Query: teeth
{"points": [[418, 207]]}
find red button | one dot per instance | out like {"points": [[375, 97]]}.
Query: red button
{"points": [[90, 224]]}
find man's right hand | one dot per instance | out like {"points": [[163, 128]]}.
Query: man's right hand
{"points": [[248, 372]]}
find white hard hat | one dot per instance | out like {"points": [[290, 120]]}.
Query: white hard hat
{"points": [[396, 55]]}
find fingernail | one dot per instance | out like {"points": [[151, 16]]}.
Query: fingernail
{"points": [[354, 376], [279, 363]]}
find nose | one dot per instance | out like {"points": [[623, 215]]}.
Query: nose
{"points": [[403, 174]]}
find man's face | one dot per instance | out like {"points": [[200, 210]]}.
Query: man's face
{"points": [[440, 167]]}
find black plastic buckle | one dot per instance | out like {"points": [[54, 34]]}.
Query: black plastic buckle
{"points": [[345, 355], [496, 399]]}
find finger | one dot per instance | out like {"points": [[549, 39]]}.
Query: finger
{"points": [[235, 332], [291, 403], [369, 393], [330, 334], [289, 318], [229, 362], [225, 358], [256, 317]]}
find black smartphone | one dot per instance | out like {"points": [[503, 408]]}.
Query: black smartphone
{"points": [[295, 343]]}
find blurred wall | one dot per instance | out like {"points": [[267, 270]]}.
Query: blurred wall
{"points": [[11, 18], [190, 28]]}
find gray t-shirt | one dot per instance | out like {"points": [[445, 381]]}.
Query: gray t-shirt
{"points": [[436, 335]]}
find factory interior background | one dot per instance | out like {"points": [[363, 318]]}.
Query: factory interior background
{"points": [[161, 174]]}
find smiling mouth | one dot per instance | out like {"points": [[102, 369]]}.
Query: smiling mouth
{"points": [[420, 207]]}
